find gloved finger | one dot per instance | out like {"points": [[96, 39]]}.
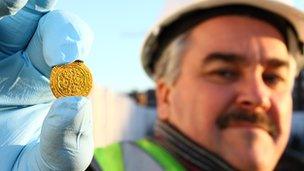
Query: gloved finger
{"points": [[60, 38], [10, 7], [17, 30], [21, 83], [66, 140], [41, 5]]}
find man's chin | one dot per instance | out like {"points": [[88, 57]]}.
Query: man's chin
{"points": [[249, 148]]}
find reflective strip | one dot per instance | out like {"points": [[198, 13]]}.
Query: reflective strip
{"points": [[165, 159], [137, 159], [110, 158]]}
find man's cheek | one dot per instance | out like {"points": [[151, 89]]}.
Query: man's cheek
{"points": [[281, 112]]}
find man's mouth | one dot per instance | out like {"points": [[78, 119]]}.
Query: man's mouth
{"points": [[244, 118], [245, 124]]}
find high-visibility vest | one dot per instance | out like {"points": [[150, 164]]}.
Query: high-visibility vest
{"points": [[143, 155]]}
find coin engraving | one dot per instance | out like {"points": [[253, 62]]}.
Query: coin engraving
{"points": [[72, 79]]}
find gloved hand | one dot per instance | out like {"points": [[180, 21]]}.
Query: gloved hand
{"points": [[38, 132], [11, 7]]}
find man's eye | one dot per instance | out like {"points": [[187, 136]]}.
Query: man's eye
{"points": [[272, 79], [226, 73], [222, 75]]}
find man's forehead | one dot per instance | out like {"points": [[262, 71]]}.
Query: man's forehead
{"points": [[191, 20], [236, 29], [235, 39], [233, 19]]}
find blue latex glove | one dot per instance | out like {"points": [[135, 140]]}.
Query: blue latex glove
{"points": [[9, 7], [38, 132]]}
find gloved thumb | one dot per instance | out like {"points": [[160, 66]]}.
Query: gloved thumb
{"points": [[66, 140], [41, 5]]}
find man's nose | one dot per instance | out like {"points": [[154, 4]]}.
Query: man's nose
{"points": [[253, 93]]}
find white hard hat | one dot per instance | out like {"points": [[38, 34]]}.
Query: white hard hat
{"points": [[185, 9]]}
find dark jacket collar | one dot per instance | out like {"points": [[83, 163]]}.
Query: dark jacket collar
{"points": [[193, 156]]}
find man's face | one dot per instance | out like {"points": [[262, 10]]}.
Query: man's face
{"points": [[233, 94]]}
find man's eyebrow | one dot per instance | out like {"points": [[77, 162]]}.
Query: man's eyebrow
{"points": [[225, 57], [276, 63], [238, 59]]}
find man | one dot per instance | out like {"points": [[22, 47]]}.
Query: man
{"points": [[37, 131], [224, 72]]}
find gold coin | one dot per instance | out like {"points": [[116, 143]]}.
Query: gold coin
{"points": [[72, 79]]}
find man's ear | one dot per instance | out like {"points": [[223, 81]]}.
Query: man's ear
{"points": [[162, 99]]}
